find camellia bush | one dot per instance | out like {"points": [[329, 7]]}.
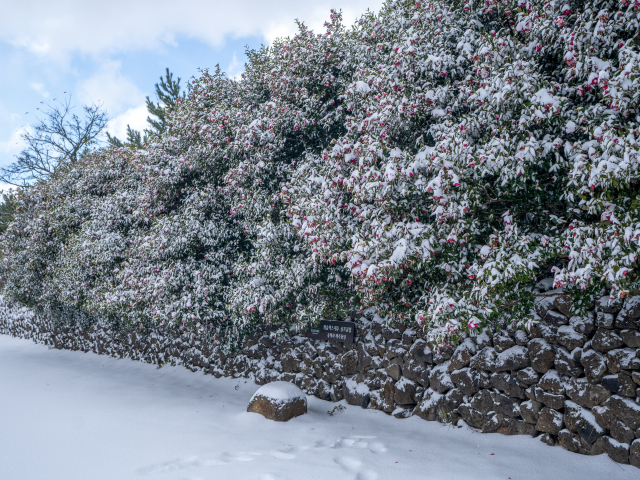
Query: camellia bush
{"points": [[432, 162]]}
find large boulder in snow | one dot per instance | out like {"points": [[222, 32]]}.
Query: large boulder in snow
{"points": [[279, 401]]}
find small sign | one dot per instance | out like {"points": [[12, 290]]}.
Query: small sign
{"points": [[333, 331]]}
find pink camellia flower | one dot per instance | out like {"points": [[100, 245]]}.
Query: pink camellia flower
{"points": [[538, 47], [443, 74], [560, 21]]}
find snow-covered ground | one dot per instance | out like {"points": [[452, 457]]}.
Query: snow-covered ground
{"points": [[79, 416]]}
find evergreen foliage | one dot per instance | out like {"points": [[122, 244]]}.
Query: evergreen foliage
{"points": [[433, 162], [169, 95]]}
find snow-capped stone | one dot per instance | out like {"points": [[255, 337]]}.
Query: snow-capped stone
{"points": [[630, 313], [605, 340], [279, 401], [541, 354], [356, 393], [550, 421], [618, 452], [626, 410], [620, 383], [586, 394], [622, 359], [582, 422]]}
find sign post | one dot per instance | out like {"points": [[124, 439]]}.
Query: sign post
{"points": [[333, 331]]}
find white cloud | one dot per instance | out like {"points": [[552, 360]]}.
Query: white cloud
{"points": [[58, 28], [235, 68], [110, 88], [39, 87], [135, 117], [15, 143]]}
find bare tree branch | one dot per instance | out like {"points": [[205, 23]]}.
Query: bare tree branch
{"points": [[60, 137]]}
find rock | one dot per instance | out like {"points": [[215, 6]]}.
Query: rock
{"points": [[621, 384], [528, 376], [440, 380], [483, 340], [502, 342], [635, 376], [417, 372], [631, 338], [336, 392], [487, 401], [613, 426], [572, 442], [433, 407], [507, 383], [390, 333], [586, 394], [622, 359], [521, 338], [454, 398], [470, 381], [484, 360], [549, 399], [618, 452], [563, 304], [530, 411], [420, 352], [605, 320], [626, 410], [394, 348], [552, 383], [494, 422], [541, 354], [471, 416], [542, 305], [408, 337], [594, 365], [634, 454], [630, 313], [555, 319], [585, 325], [483, 401], [290, 364], [355, 393], [548, 332], [548, 439], [514, 358], [401, 412], [394, 371], [571, 339], [550, 421], [605, 340], [323, 391], [443, 354], [567, 363], [364, 358], [376, 399], [389, 391], [279, 401], [405, 391], [606, 304], [582, 422], [509, 407], [462, 355]]}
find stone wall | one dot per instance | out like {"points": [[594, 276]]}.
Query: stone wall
{"points": [[572, 382]]}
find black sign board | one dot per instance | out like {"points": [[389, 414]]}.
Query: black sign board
{"points": [[333, 331]]}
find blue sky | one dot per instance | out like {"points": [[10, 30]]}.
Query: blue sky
{"points": [[114, 52]]}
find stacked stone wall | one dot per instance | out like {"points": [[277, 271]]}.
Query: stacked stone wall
{"points": [[571, 381]]}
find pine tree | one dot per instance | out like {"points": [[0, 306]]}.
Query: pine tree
{"points": [[168, 95]]}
